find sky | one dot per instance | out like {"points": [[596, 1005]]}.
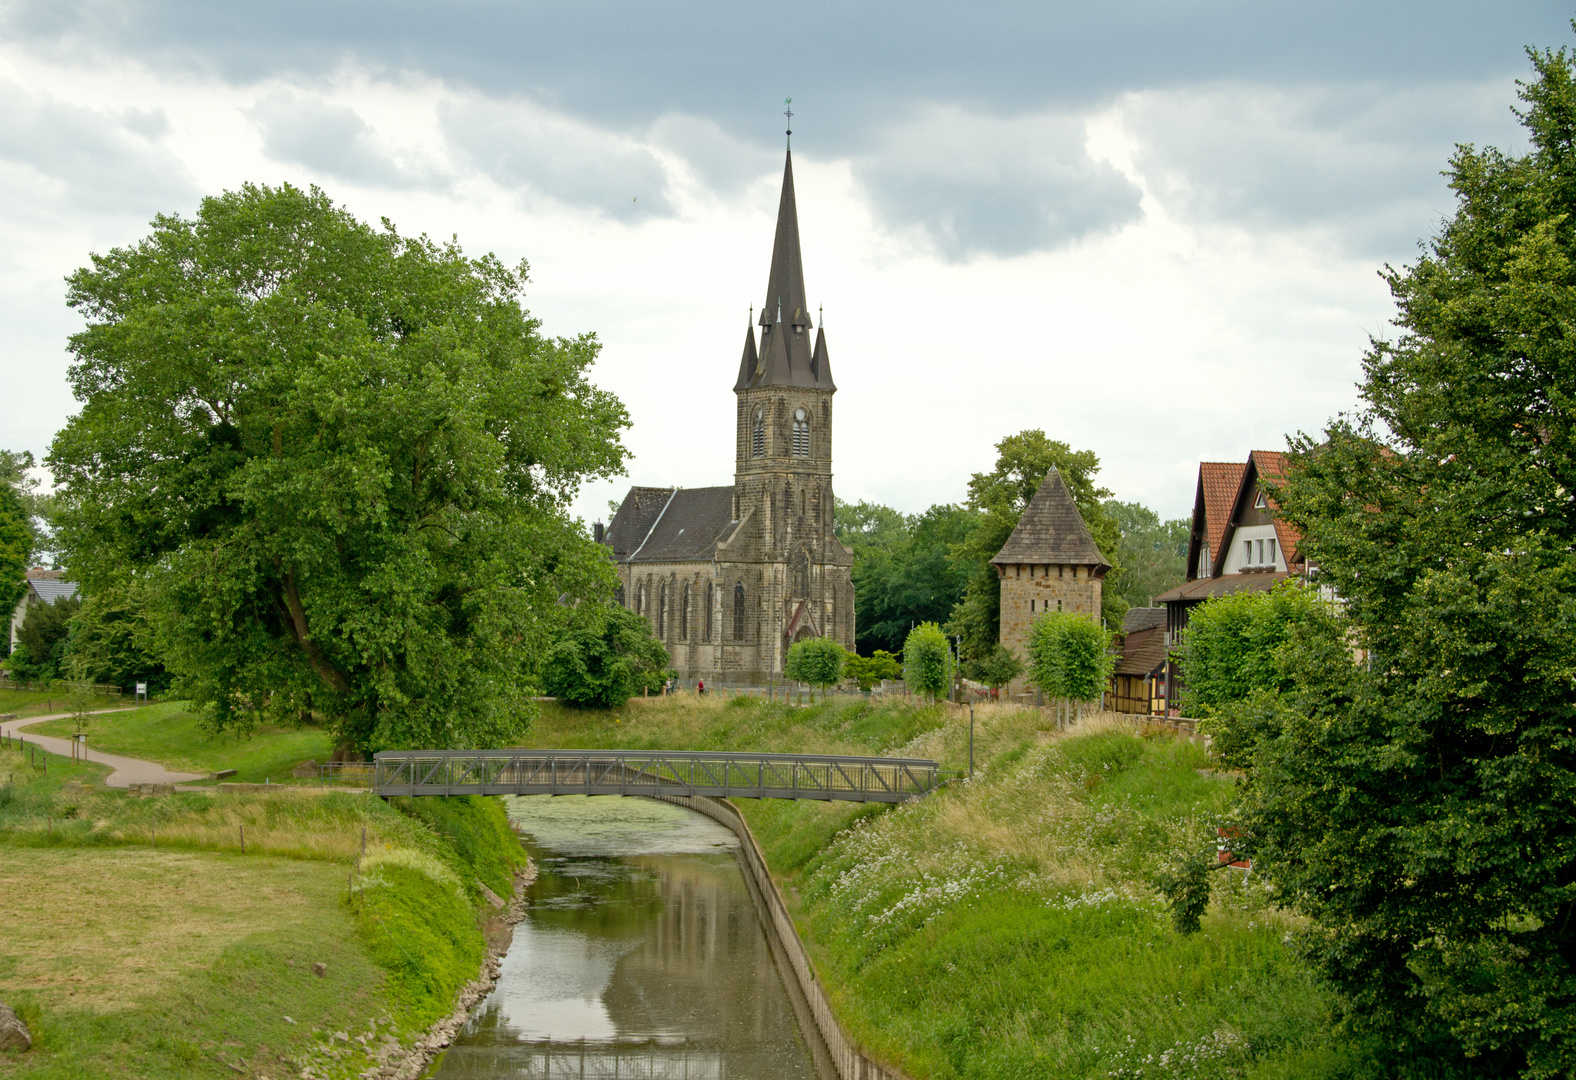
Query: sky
{"points": [[1153, 230]]}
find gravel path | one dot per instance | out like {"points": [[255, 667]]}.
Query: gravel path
{"points": [[128, 770]]}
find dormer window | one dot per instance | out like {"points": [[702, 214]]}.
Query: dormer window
{"points": [[758, 435], [801, 433]]}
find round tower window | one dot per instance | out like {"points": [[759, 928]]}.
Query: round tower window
{"points": [[798, 414]]}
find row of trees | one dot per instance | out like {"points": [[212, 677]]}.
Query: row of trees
{"points": [[935, 566], [1406, 737]]}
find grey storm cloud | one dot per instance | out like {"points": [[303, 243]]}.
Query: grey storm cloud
{"points": [[94, 161], [704, 81], [332, 140], [1362, 164], [536, 152], [1000, 186]]}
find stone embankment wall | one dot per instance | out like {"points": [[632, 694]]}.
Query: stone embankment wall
{"points": [[840, 1051]]}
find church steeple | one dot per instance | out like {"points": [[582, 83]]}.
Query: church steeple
{"points": [[786, 357], [749, 362]]}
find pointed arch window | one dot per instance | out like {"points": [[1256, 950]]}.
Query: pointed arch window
{"points": [[640, 599], [709, 596], [662, 612], [618, 596], [801, 433], [738, 612], [758, 435], [684, 614]]}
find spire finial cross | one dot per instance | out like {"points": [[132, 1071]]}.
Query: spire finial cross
{"points": [[788, 112]]}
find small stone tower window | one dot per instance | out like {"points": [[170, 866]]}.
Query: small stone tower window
{"points": [[758, 435], [738, 612], [801, 433]]}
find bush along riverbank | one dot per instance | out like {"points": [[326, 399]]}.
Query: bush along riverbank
{"points": [[217, 935], [1009, 926]]}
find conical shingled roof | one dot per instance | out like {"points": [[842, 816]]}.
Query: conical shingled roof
{"points": [[1051, 530], [785, 356]]}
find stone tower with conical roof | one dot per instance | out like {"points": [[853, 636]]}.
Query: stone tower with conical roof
{"points": [[1049, 563], [730, 578]]}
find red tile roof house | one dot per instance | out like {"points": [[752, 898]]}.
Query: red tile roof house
{"points": [[1237, 544]]}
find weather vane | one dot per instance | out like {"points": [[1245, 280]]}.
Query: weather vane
{"points": [[788, 112]]}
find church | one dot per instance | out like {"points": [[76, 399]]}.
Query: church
{"points": [[730, 577]]}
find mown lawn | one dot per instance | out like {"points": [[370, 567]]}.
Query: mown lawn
{"points": [[173, 936], [1008, 927], [24, 703], [174, 736]]}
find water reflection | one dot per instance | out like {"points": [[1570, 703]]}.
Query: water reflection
{"points": [[640, 957]]}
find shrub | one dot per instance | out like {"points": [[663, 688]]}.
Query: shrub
{"points": [[995, 669], [606, 655], [927, 660], [869, 670]]}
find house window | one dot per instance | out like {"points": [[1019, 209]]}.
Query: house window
{"points": [[662, 611], [1247, 556], [758, 435], [738, 612], [801, 433], [1259, 503], [684, 613], [1260, 544], [1269, 551]]}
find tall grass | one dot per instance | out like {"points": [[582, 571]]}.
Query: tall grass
{"points": [[1007, 926]]}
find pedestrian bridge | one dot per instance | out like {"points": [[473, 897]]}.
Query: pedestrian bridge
{"points": [[655, 772]]}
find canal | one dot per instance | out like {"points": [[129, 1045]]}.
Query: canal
{"points": [[641, 957]]}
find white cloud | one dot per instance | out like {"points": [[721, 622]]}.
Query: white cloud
{"points": [[332, 140]]}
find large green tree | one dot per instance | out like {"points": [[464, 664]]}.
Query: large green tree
{"points": [[998, 499], [604, 655], [1152, 553], [339, 459], [1420, 807], [904, 573], [16, 550]]}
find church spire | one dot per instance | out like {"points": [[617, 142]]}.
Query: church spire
{"points": [[786, 357]]}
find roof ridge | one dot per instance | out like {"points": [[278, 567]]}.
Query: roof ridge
{"points": [[654, 524]]}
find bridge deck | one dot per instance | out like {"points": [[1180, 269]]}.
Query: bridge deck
{"points": [[632, 772]]}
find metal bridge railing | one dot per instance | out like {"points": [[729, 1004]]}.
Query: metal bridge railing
{"points": [[631, 772]]}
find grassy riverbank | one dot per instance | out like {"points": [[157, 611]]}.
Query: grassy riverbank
{"points": [[171, 734], [142, 942], [1008, 927]]}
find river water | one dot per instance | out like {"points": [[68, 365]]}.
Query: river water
{"points": [[641, 957]]}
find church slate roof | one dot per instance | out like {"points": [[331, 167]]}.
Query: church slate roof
{"points": [[633, 521], [1051, 530], [680, 524]]}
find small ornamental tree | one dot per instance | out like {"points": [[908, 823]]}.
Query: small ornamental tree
{"points": [[995, 669], [869, 670], [1070, 656], [927, 661], [817, 661], [606, 656]]}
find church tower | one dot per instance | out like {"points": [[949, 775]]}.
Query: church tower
{"points": [[783, 448], [730, 577]]}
